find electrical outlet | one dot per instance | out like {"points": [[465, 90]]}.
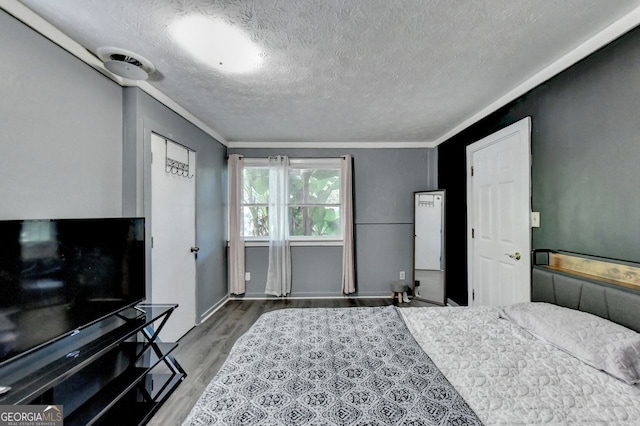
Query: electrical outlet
{"points": [[402, 275], [247, 276]]}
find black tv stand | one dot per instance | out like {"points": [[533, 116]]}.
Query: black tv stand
{"points": [[115, 372]]}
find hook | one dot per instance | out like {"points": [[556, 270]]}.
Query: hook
{"points": [[189, 164], [176, 167]]}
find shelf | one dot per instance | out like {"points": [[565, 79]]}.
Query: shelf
{"points": [[30, 386], [106, 398], [164, 384], [617, 273], [111, 395], [106, 372], [131, 411], [151, 358]]}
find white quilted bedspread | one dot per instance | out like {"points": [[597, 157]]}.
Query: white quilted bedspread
{"points": [[509, 377]]}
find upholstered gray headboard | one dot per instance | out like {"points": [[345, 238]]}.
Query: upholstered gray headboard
{"points": [[617, 304]]}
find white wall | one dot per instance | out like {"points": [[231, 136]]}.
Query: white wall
{"points": [[60, 131], [71, 145]]}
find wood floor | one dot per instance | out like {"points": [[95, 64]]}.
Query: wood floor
{"points": [[202, 351]]}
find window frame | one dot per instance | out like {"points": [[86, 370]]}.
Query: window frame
{"points": [[298, 163]]}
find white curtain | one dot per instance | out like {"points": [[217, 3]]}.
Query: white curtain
{"points": [[279, 273], [346, 191], [236, 239]]}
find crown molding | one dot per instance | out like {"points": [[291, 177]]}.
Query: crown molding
{"points": [[332, 144], [38, 24], [598, 41], [604, 37]]}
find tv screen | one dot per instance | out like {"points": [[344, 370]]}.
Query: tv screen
{"points": [[57, 276]]}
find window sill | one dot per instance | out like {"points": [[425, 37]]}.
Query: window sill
{"points": [[299, 243]]}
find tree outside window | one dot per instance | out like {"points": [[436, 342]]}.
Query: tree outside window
{"points": [[314, 201], [255, 200]]}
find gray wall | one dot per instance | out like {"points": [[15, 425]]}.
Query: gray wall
{"points": [[144, 115], [585, 155], [75, 144], [61, 131], [384, 182]]}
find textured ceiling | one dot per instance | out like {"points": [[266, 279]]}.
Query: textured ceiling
{"points": [[344, 70]]}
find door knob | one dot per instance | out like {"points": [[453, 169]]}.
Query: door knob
{"points": [[515, 256], [195, 249]]}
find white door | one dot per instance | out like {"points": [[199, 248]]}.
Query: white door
{"points": [[498, 217], [173, 265]]}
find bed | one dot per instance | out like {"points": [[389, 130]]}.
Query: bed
{"points": [[570, 357]]}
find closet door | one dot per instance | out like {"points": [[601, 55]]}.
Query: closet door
{"points": [[173, 230], [428, 246]]}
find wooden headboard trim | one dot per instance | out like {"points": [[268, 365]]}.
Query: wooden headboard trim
{"points": [[600, 270]]}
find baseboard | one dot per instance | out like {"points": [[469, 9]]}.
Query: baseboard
{"points": [[451, 303], [345, 296], [212, 310]]}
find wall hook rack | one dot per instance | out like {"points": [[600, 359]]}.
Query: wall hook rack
{"points": [[176, 167]]}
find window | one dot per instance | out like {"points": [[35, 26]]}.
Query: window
{"points": [[255, 199], [314, 199]]}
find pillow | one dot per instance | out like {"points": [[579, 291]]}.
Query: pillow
{"points": [[603, 344]]}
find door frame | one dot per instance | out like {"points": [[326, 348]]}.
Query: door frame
{"points": [[523, 125]]}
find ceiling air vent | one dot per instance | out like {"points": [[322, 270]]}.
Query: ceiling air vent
{"points": [[125, 64]]}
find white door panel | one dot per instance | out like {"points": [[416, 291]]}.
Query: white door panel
{"points": [[498, 200], [173, 266]]}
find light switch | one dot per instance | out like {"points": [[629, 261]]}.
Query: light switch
{"points": [[535, 219], [247, 276]]}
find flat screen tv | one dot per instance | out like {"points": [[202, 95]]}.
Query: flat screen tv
{"points": [[61, 275]]}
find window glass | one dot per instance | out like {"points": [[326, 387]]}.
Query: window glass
{"points": [[314, 221], [254, 201], [314, 201], [256, 185], [256, 221]]}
